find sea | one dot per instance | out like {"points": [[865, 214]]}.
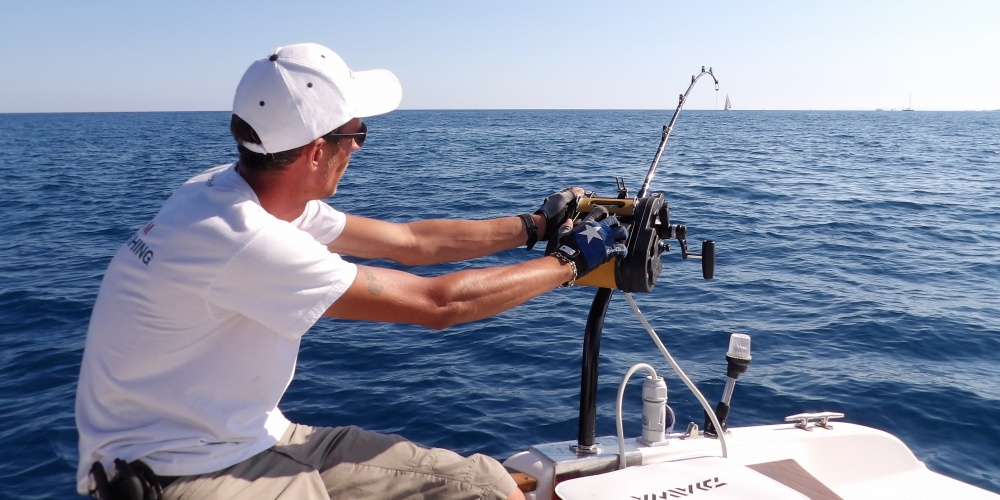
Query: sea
{"points": [[859, 250]]}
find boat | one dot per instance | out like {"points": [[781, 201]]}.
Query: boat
{"points": [[813, 454], [729, 105], [910, 106], [810, 455]]}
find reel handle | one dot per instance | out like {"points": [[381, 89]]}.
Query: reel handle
{"points": [[707, 255], [708, 259]]}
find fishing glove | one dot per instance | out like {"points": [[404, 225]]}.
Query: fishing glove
{"points": [[556, 209], [591, 242]]}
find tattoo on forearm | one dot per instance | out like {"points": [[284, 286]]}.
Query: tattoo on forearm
{"points": [[374, 287]]}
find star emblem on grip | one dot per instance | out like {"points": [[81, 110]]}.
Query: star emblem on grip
{"points": [[593, 231]]}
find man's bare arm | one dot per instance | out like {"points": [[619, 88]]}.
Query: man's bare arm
{"points": [[429, 241], [387, 295]]}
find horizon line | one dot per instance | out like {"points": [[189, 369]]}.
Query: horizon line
{"points": [[892, 110]]}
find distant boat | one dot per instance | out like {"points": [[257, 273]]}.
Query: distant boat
{"points": [[729, 105], [910, 107]]}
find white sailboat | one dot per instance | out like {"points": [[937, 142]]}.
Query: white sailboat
{"points": [[729, 105]]}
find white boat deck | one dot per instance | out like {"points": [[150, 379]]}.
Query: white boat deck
{"points": [[846, 461]]}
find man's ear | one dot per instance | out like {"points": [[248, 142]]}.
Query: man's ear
{"points": [[315, 152]]}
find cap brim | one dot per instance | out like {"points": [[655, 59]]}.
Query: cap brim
{"points": [[376, 92]]}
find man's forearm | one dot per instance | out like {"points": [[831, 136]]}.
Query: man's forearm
{"points": [[388, 295], [437, 241]]}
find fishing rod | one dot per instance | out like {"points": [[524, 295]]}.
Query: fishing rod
{"points": [[667, 129], [647, 217]]}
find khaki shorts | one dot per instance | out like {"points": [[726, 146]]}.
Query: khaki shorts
{"points": [[347, 462]]}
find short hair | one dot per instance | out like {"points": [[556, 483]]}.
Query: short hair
{"points": [[252, 160], [264, 162]]}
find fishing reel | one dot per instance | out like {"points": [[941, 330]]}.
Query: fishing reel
{"points": [[648, 221]]}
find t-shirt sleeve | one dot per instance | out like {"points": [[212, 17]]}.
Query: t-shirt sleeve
{"points": [[323, 222], [284, 279]]}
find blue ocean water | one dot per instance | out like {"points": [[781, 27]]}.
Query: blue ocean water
{"points": [[858, 249]]}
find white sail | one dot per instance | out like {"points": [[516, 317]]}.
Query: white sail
{"points": [[728, 104]]}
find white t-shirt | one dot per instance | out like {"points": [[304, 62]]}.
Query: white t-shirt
{"points": [[195, 332]]}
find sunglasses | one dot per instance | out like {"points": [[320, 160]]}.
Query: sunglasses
{"points": [[359, 136]]}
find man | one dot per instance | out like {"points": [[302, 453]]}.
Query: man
{"points": [[196, 329]]}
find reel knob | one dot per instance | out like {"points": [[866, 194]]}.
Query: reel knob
{"points": [[708, 259]]}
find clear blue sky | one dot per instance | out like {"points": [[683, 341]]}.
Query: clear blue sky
{"points": [[112, 55]]}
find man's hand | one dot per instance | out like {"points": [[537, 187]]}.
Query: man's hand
{"points": [[592, 242], [557, 208]]}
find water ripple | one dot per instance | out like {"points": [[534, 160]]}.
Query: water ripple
{"points": [[859, 250]]}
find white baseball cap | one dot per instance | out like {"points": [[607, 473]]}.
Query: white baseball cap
{"points": [[304, 91]]}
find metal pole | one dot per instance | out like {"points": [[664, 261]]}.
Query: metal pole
{"points": [[588, 378]]}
